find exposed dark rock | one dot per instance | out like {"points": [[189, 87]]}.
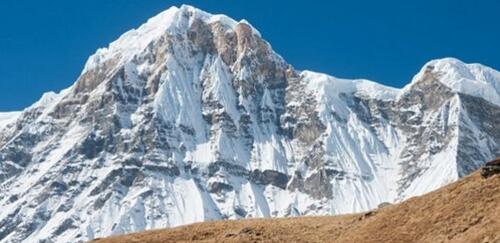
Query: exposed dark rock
{"points": [[318, 185], [65, 225], [384, 205], [240, 211], [218, 187], [491, 168], [267, 177]]}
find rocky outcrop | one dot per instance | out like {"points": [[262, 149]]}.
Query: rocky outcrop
{"points": [[490, 168]]}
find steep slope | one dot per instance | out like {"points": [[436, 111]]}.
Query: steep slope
{"points": [[7, 118], [465, 211], [193, 117]]}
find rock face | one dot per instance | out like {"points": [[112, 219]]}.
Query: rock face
{"points": [[491, 168], [193, 117]]}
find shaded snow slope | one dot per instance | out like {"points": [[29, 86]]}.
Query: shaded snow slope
{"points": [[8, 118]]}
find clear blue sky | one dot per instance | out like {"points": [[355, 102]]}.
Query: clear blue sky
{"points": [[44, 44]]}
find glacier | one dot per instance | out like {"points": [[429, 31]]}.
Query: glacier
{"points": [[193, 117]]}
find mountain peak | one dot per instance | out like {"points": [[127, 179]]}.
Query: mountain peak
{"points": [[471, 79], [174, 20], [193, 117]]}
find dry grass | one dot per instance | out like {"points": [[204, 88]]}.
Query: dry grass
{"points": [[465, 211]]}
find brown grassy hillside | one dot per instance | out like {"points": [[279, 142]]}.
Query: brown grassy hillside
{"points": [[465, 211]]}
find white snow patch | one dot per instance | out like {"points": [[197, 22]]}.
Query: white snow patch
{"points": [[8, 118], [472, 79]]}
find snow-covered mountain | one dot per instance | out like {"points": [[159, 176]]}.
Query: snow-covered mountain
{"points": [[193, 117]]}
